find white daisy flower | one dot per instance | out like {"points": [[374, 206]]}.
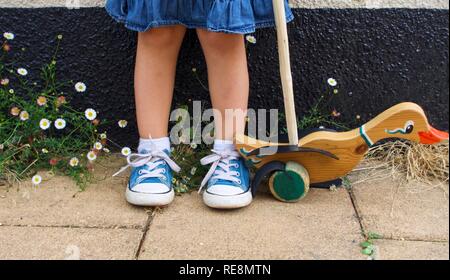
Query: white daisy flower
{"points": [[332, 82], [44, 151], [92, 156], [193, 146], [15, 111], [80, 87], [90, 114], [74, 162], [193, 170], [11, 91], [106, 150], [41, 101], [44, 124], [122, 123], [98, 146], [22, 71], [9, 36], [251, 39], [60, 124], [4, 82], [24, 116], [103, 136], [126, 151], [36, 180]]}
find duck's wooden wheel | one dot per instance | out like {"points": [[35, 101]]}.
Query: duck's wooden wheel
{"points": [[290, 185]]}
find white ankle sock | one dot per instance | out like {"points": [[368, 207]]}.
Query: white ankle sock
{"points": [[161, 143], [224, 145]]}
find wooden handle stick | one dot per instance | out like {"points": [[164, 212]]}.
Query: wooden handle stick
{"points": [[285, 70]]}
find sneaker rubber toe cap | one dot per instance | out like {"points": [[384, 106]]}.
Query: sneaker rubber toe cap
{"points": [[152, 188], [224, 190]]}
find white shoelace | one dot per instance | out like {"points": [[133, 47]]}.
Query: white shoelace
{"points": [[153, 161], [220, 159]]}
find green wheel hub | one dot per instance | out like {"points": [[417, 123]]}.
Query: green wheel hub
{"points": [[290, 185]]}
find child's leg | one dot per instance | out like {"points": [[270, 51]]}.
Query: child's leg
{"points": [[150, 181], [228, 180], [228, 79], [156, 61]]}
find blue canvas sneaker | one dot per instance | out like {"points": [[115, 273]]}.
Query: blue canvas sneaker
{"points": [[150, 181], [227, 182]]}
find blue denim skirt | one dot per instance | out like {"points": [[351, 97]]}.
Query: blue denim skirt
{"points": [[229, 16]]}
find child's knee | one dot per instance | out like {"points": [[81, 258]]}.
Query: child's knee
{"points": [[160, 37], [219, 41]]}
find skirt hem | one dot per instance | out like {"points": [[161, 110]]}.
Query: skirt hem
{"points": [[239, 30]]}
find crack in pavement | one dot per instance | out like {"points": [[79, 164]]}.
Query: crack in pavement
{"points": [[145, 230], [357, 211], [408, 239], [71, 226], [364, 231]]}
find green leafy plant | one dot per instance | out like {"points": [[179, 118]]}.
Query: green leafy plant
{"points": [[319, 115], [39, 129], [192, 172], [188, 157], [368, 247]]}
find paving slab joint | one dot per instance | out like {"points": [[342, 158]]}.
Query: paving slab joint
{"points": [[145, 230], [357, 210], [71, 226], [410, 239]]}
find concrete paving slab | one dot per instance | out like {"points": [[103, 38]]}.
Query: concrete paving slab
{"points": [[37, 243], [322, 226], [399, 210], [59, 202], [411, 250]]}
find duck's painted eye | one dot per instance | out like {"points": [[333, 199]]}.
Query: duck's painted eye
{"points": [[409, 127]]}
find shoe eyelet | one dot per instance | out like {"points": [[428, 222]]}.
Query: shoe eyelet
{"points": [[238, 174], [239, 182], [140, 172]]}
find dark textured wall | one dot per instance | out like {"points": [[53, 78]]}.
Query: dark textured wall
{"points": [[379, 57]]}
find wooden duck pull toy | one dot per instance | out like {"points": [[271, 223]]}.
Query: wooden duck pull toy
{"points": [[322, 156]]}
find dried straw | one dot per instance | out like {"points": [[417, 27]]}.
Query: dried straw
{"points": [[424, 163]]}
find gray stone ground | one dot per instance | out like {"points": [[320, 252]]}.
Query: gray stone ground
{"points": [[56, 221]]}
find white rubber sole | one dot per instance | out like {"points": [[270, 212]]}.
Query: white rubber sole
{"points": [[150, 200], [227, 202]]}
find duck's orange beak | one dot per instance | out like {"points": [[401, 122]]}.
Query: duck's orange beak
{"points": [[432, 136]]}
